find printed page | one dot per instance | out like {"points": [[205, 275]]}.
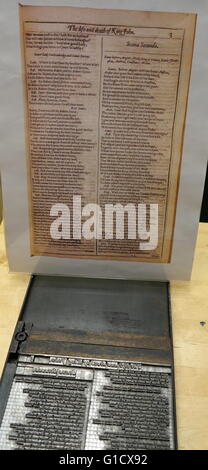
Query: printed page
{"points": [[105, 103]]}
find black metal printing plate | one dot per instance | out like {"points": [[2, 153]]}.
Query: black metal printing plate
{"points": [[75, 403], [90, 367]]}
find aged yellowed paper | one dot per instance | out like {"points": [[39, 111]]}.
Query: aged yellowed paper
{"points": [[105, 104]]}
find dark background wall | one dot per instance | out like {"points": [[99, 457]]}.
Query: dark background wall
{"points": [[204, 207]]}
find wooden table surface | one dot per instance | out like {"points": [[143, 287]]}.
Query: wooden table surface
{"points": [[190, 338]]}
